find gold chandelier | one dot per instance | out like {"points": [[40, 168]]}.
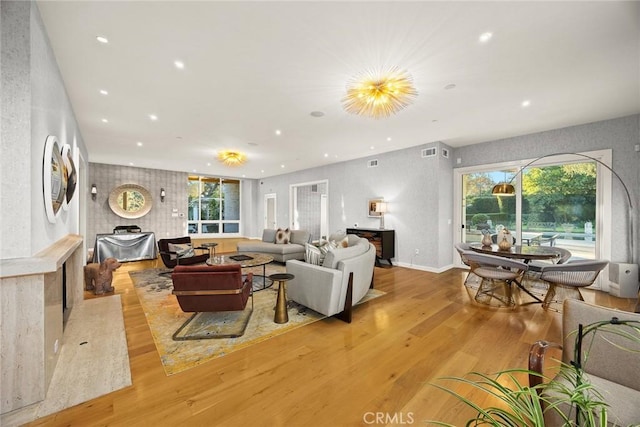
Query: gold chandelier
{"points": [[379, 94], [231, 158]]}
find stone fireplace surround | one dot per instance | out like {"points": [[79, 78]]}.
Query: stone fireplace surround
{"points": [[31, 319]]}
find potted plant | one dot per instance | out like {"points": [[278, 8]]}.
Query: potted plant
{"points": [[519, 404]]}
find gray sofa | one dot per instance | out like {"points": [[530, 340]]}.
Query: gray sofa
{"points": [[295, 249]]}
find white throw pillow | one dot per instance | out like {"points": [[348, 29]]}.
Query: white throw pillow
{"points": [[181, 250]]}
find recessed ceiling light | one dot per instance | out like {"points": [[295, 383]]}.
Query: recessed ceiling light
{"points": [[130, 163], [244, 176], [317, 113], [102, 39], [278, 132], [139, 144], [179, 65], [153, 117], [485, 37], [326, 154], [434, 121], [104, 92], [372, 148], [526, 103], [195, 170], [252, 143], [208, 163], [450, 86], [388, 138], [105, 121], [262, 171], [282, 166]]}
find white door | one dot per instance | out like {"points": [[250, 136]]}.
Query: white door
{"points": [[270, 210]]}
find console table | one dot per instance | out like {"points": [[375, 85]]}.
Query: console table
{"points": [[383, 240], [125, 247]]}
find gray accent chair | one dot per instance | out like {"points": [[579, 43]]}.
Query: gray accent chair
{"points": [[609, 357], [340, 282]]}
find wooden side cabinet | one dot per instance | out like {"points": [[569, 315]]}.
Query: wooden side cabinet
{"points": [[383, 240]]}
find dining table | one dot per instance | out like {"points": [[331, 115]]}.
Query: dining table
{"points": [[521, 252]]}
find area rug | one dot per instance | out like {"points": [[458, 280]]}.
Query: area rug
{"points": [[165, 317]]}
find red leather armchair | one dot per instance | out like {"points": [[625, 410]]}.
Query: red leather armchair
{"points": [[212, 288]]}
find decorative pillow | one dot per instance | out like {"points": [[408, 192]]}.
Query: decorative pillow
{"points": [[181, 251], [344, 243], [315, 254], [312, 254], [283, 236], [269, 235]]}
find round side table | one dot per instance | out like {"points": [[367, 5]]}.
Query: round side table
{"points": [[281, 315], [212, 248]]}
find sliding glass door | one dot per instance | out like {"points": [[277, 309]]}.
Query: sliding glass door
{"points": [[555, 205]]}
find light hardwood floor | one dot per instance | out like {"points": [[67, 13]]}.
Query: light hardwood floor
{"points": [[331, 373]]}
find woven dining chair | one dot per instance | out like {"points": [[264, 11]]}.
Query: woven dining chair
{"points": [[497, 273], [472, 281], [531, 280], [570, 277]]}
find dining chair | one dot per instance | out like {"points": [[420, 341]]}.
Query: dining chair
{"points": [[472, 281], [497, 274], [570, 277], [531, 280]]}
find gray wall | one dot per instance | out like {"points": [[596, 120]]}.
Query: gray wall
{"points": [[101, 219], [417, 189], [160, 220], [620, 135], [34, 105]]}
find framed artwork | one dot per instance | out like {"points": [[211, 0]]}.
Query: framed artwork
{"points": [[70, 173], [371, 206], [54, 178]]}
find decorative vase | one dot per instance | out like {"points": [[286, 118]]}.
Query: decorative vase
{"points": [[505, 243], [486, 239]]}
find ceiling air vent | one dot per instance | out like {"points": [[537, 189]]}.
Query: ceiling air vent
{"points": [[429, 152], [314, 188], [372, 163], [445, 153]]}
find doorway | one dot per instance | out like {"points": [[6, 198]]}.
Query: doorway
{"points": [[270, 217], [309, 207]]}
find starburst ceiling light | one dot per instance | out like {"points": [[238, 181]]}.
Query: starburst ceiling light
{"points": [[379, 94], [231, 158]]}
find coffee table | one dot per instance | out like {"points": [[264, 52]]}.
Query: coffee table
{"points": [[247, 260]]}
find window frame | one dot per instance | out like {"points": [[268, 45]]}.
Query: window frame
{"points": [[220, 222]]}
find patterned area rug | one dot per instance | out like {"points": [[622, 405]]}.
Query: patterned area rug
{"points": [[165, 317]]}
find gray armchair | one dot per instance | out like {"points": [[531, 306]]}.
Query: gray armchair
{"points": [[610, 358], [341, 281]]}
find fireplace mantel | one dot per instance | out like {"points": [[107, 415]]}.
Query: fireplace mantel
{"points": [[32, 318]]}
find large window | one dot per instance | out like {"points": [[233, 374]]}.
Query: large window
{"points": [[561, 200], [214, 205]]}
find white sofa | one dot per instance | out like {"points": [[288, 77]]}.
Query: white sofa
{"points": [[340, 282], [280, 252]]}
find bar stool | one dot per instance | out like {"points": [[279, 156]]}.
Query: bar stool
{"points": [[281, 315]]}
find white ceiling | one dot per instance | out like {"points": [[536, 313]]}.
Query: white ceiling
{"points": [[254, 67]]}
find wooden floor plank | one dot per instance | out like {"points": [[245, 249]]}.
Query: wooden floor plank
{"points": [[331, 373]]}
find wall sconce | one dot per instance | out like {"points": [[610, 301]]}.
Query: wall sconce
{"points": [[94, 191], [381, 208], [162, 194]]}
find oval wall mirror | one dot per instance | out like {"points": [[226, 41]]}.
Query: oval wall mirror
{"points": [[130, 201]]}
